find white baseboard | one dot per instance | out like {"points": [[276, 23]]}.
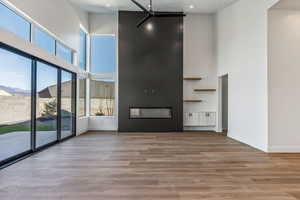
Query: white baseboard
{"points": [[187, 128], [284, 149]]}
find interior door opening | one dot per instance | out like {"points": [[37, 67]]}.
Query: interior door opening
{"points": [[224, 80]]}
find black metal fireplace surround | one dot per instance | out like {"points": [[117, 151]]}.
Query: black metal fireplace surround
{"points": [[150, 74]]}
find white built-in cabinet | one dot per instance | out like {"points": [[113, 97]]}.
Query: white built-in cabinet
{"points": [[204, 119]]}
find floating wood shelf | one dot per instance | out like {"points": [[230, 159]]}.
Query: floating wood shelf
{"points": [[205, 90], [192, 78], [193, 101]]}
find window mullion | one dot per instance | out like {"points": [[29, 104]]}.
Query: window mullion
{"points": [[33, 104]]}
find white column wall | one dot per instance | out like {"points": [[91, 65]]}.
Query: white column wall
{"points": [[200, 61], [242, 54], [284, 82]]}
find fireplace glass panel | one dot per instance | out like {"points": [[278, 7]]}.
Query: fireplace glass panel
{"points": [[150, 113]]}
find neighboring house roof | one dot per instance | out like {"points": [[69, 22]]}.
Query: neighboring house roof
{"points": [[102, 89], [99, 90], [4, 93]]}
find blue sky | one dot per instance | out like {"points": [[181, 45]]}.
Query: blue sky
{"points": [[103, 54], [82, 51], [44, 41], [46, 76], [65, 76], [64, 53], [15, 70]]}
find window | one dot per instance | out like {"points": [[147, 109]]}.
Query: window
{"points": [[63, 52], [102, 98], [14, 23], [103, 54], [15, 104], [30, 100], [67, 109], [103, 62], [82, 53], [82, 97], [44, 40], [46, 107]]}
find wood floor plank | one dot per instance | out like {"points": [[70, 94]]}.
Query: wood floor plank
{"points": [[152, 166]]}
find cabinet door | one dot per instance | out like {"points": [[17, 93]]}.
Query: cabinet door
{"points": [[211, 118], [191, 119], [202, 119]]}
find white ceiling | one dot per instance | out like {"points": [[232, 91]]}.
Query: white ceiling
{"points": [[200, 6], [288, 4]]}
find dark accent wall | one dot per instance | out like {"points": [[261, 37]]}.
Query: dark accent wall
{"points": [[150, 71]]}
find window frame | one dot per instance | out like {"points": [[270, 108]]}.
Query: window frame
{"points": [[37, 28], [58, 94], [85, 68], [9, 161], [73, 102], [90, 99], [34, 59], [57, 43], [99, 76], [29, 39], [103, 75], [85, 97]]}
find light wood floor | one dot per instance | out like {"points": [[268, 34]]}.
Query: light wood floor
{"points": [[150, 166]]}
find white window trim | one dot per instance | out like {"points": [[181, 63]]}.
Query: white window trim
{"points": [[86, 96], [87, 44], [113, 76]]}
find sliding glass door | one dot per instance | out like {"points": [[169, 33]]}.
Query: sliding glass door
{"points": [[37, 104], [15, 104], [46, 104], [67, 104]]}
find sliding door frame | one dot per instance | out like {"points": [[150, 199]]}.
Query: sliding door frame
{"points": [[11, 160], [59, 105]]}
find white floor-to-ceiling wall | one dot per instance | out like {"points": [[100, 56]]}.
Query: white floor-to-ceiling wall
{"points": [[199, 60], [242, 54], [284, 82]]}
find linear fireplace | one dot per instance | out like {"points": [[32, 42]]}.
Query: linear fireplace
{"points": [[150, 113]]}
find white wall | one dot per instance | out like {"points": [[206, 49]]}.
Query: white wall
{"points": [[105, 24], [200, 61], [82, 125], [58, 16], [242, 54], [284, 82]]}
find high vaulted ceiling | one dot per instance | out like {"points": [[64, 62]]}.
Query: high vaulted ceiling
{"points": [[188, 6]]}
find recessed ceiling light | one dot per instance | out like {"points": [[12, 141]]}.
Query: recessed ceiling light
{"points": [[107, 5], [149, 6], [191, 6], [149, 27]]}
